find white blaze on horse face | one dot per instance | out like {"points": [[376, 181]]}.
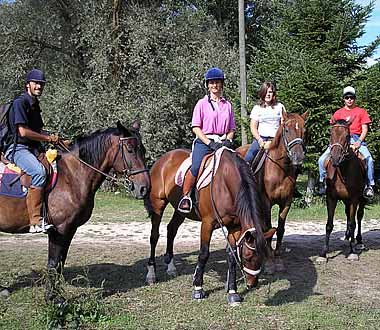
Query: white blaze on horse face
{"points": [[296, 125]]}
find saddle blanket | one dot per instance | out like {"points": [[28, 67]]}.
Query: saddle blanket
{"points": [[9, 183], [204, 177]]}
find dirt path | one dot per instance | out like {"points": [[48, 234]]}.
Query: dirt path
{"points": [[139, 232]]}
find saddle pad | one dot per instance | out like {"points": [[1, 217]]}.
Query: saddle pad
{"points": [[9, 184], [204, 177]]}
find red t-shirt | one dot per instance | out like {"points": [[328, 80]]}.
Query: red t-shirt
{"points": [[359, 117]]}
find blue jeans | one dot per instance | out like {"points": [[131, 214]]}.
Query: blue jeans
{"points": [[25, 159], [254, 148], [199, 151], [363, 150]]}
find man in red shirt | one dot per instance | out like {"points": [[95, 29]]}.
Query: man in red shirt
{"points": [[358, 132]]}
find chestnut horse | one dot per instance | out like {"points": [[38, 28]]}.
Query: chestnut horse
{"points": [[277, 176], [346, 179], [71, 202], [231, 200]]}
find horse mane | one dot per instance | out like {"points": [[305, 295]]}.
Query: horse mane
{"points": [[92, 147], [341, 122], [248, 202]]}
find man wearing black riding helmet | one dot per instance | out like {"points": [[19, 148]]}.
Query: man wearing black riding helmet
{"points": [[23, 144]]}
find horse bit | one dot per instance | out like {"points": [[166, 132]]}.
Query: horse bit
{"points": [[345, 150], [292, 143]]}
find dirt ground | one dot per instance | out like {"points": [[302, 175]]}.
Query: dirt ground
{"points": [[339, 278]]}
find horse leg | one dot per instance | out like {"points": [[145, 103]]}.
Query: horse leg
{"points": [[158, 206], [204, 253], [233, 298], [331, 206], [58, 248], [347, 212], [282, 214], [172, 229], [360, 215], [352, 226]]}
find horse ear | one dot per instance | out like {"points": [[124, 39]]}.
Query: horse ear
{"points": [[332, 121], [270, 233], [136, 125], [284, 115], [120, 127], [305, 115]]}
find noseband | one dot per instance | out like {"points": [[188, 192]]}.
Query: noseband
{"points": [[128, 171], [239, 245], [292, 143], [344, 148]]}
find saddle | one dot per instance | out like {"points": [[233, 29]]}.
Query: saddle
{"points": [[205, 172], [15, 183]]}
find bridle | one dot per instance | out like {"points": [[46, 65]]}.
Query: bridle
{"points": [[128, 168], [292, 143], [344, 148], [243, 242]]}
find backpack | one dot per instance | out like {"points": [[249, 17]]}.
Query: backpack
{"points": [[4, 124]]}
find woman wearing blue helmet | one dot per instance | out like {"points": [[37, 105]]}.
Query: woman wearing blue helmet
{"points": [[213, 123]]}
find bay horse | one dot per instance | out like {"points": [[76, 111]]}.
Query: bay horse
{"points": [[71, 202], [346, 179], [230, 200], [277, 176]]}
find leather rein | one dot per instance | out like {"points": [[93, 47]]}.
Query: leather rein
{"points": [[128, 171]]}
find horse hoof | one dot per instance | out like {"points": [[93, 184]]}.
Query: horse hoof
{"points": [[321, 260], [4, 293], [151, 276], [198, 294], [233, 299], [150, 280], [361, 247], [172, 270], [353, 257], [172, 273]]}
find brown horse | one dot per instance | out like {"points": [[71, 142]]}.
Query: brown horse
{"points": [[346, 178], [71, 202], [278, 173], [230, 200]]}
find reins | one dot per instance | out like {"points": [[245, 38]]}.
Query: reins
{"points": [[220, 222], [108, 177]]}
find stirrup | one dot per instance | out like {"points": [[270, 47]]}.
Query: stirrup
{"points": [[185, 198], [368, 192]]}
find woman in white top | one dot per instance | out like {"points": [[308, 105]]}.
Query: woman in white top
{"points": [[265, 118]]}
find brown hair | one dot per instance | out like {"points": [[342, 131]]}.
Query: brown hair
{"points": [[263, 92]]}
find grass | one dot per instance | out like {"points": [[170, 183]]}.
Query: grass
{"points": [[105, 284]]}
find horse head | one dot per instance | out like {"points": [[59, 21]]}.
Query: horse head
{"points": [[293, 131], [339, 141], [250, 249], [129, 160]]}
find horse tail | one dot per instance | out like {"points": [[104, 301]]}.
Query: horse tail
{"points": [[248, 203]]}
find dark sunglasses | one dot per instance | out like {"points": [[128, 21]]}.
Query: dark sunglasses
{"points": [[350, 97]]}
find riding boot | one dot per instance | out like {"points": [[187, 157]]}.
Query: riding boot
{"points": [[34, 201], [185, 204]]}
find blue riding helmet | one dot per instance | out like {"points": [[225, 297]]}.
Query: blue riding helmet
{"points": [[35, 75], [214, 74]]}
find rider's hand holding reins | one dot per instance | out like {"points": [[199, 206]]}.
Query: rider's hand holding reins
{"points": [[215, 145], [228, 144], [53, 138]]}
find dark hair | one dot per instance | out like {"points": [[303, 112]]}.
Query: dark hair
{"points": [[263, 92]]}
